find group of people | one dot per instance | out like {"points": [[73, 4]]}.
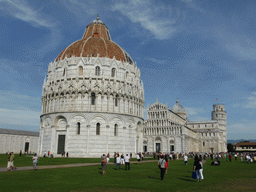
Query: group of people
{"points": [[118, 160]]}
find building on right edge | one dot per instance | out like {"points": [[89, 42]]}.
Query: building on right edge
{"points": [[168, 130]]}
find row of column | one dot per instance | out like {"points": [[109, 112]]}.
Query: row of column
{"points": [[162, 131], [84, 103]]}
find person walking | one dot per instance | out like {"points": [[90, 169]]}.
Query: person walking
{"points": [[161, 163], [186, 159], [20, 153], [35, 161], [166, 163], [127, 162], [230, 157], [197, 167], [11, 162], [235, 156], [118, 160], [201, 170], [107, 157], [130, 155], [67, 154], [104, 165]]}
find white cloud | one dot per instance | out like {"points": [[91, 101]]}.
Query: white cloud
{"points": [[161, 20], [251, 101], [193, 111], [21, 10]]}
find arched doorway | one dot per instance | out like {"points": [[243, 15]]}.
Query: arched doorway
{"points": [[158, 146]]}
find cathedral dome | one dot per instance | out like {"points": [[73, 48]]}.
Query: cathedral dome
{"points": [[177, 108], [96, 41]]}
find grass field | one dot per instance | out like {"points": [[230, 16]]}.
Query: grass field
{"points": [[27, 160], [234, 176]]}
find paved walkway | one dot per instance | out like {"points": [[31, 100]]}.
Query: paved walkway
{"points": [[4, 169]]}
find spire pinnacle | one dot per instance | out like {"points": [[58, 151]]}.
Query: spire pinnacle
{"points": [[98, 17]]}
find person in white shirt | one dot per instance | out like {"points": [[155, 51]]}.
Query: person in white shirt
{"points": [[138, 158], [118, 161], [122, 159], [35, 161], [186, 159], [127, 162], [170, 156]]}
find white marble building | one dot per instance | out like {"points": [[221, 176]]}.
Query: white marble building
{"points": [[17, 140], [92, 100], [168, 130]]}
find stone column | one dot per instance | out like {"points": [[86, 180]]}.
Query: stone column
{"points": [[107, 127]]}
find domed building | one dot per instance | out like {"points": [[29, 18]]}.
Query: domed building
{"points": [[92, 99]]}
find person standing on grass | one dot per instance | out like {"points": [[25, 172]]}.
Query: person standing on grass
{"points": [[186, 159], [122, 159], [35, 161], [127, 162], [229, 157], [67, 154], [107, 157], [118, 161], [201, 170], [130, 155], [166, 163], [138, 158], [114, 157], [235, 156], [197, 167], [104, 165], [11, 161], [20, 153], [161, 163]]}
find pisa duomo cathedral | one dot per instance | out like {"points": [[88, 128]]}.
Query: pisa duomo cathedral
{"points": [[93, 100]]}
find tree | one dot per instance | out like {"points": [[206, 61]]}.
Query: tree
{"points": [[230, 147]]}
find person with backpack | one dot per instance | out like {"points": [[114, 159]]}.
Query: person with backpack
{"points": [[161, 164]]}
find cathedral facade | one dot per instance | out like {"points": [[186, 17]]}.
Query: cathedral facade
{"points": [[168, 130], [92, 99]]}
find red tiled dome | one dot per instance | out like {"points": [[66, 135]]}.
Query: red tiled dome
{"points": [[96, 40]]}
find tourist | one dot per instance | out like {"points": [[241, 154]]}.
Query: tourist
{"points": [[171, 156], [229, 157], [122, 159], [35, 161], [142, 157], [154, 154], [161, 164], [107, 157], [104, 165], [48, 153], [242, 157], [118, 160], [201, 170], [11, 162], [235, 156], [130, 155], [67, 154], [166, 163], [127, 162], [138, 158], [44, 153], [20, 153], [197, 167], [186, 159], [115, 157]]}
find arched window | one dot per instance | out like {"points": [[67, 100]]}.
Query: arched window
{"points": [[115, 129], [97, 71], [80, 69], [98, 129], [93, 98], [113, 72], [116, 101], [78, 128]]}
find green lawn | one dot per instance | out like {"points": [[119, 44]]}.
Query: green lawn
{"points": [[27, 160], [234, 176]]}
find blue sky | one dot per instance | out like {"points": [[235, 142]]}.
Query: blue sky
{"points": [[193, 50]]}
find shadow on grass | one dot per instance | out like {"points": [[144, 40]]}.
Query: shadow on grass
{"points": [[153, 178], [186, 179]]}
